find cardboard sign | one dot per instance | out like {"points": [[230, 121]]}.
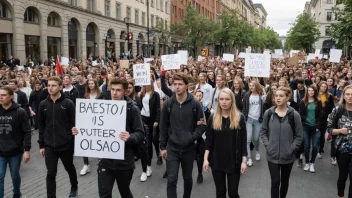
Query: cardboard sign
{"points": [[279, 52], [228, 57], [200, 58], [99, 123], [183, 56], [335, 55], [125, 64], [171, 61], [65, 61], [293, 52], [147, 60], [242, 55], [141, 74], [257, 65]]}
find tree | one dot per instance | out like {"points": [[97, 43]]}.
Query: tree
{"points": [[242, 35], [304, 33], [163, 33]]}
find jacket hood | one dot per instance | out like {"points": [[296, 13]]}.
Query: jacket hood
{"points": [[129, 101], [63, 96], [289, 110], [13, 106], [189, 97]]}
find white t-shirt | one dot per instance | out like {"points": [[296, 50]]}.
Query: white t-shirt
{"points": [[254, 107], [145, 110], [92, 96], [207, 90]]}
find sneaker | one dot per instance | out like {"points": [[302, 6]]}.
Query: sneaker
{"points": [[149, 171], [85, 170], [320, 156], [300, 163], [17, 196], [200, 179], [257, 156], [312, 168], [144, 177], [165, 174], [306, 167], [160, 161], [333, 161], [74, 192], [250, 162]]}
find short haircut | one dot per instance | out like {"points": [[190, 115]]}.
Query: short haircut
{"points": [[198, 90], [37, 82], [8, 90], [181, 76], [66, 75], [300, 81], [191, 80], [56, 79], [120, 81], [13, 81], [81, 74]]}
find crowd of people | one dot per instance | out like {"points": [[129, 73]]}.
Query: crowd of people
{"points": [[206, 111]]}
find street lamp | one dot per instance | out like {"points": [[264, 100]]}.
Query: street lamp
{"points": [[127, 21]]}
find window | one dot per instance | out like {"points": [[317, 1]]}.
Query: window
{"points": [[136, 17], [31, 15], [162, 5], [53, 19], [157, 20], [328, 16], [157, 4], [128, 12], [73, 2], [90, 5], [3, 10], [152, 3], [327, 29], [167, 7], [107, 8], [143, 18], [152, 20], [118, 11], [330, 1]]}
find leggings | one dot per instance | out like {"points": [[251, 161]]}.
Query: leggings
{"points": [[280, 177], [344, 161]]}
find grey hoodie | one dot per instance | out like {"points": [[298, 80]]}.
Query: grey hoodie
{"points": [[277, 136]]}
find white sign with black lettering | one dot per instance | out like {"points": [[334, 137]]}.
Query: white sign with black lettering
{"points": [[99, 124], [257, 65], [183, 56], [171, 61], [141, 74]]}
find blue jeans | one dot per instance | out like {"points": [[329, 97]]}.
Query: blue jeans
{"points": [[14, 164], [253, 132], [311, 135]]}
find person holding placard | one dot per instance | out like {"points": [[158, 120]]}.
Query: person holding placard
{"points": [[110, 170], [56, 117]]}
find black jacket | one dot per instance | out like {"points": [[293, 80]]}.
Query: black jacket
{"points": [[15, 131], [325, 111], [34, 99], [239, 99], [22, 100], [154, 107], [164, 87], [245, 109], [178, 128], [136, 130], [303, 112], [55, 122], [73, 94]]}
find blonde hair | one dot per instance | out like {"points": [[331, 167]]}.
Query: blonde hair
{"points": [[257, 86], [235, 115], [342, 100]]}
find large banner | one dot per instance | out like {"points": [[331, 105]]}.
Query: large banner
{"points": [[99, 123], [257, 65]]}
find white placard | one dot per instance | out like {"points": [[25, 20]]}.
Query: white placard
{"points": [[171, 61], [294, 52], [95, 63], [200, 58], [183, 56], [65, 61], [242, 55], [317, 51], [99, 123], [320, 56], [248, 50], [279, 52], [228, 57], [266, 52], [141, 74], [326, 57], [335, 55], [277, 56], [257, 65], [20, 67], [146, 60], [311, 56]]}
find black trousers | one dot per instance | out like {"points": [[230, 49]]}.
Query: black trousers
{"points": [[51, 160], [151, 140], [106, 180], [280, 177], [200, 154], [233, 180], [322, 139], [344, 161], [173, 161]]}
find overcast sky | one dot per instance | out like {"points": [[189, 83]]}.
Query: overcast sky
{"points": [[281, 13]]}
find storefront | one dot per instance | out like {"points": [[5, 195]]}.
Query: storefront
{"points": [[5, 46], [54, 47], [32, 48]]}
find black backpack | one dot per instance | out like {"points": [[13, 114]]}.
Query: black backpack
{"points": [[291, 120], [169, 108]]}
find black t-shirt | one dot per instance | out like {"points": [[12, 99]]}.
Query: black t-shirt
{"points": [[81, 89], [302, 93]]}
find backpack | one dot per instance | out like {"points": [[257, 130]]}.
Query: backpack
{"points": [[169, 108], [291, 120]]}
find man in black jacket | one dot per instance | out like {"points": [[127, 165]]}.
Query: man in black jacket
{"points": [[55, 120], [182, 123], [110, 170], [69, 90], [20, 97], [11, 63], [15, 140]]}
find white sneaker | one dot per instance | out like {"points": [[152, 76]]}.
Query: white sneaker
{"points": [[149, 171], [311, 168], [320, 156], [250, 162], [257, 156], [144, 177], [306, 167], [333, 161], [85, 170]]}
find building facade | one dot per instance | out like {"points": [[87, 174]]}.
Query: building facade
{"points": [[41, 29], [262, 14]]}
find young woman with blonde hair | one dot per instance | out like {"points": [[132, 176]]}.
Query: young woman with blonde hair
{"points": [[226, 150]]}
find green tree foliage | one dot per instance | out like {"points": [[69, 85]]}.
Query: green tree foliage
{"points": [[163, 32], [304, 33]]}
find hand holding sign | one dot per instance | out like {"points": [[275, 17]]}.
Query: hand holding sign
{"points": [[124, 135]]}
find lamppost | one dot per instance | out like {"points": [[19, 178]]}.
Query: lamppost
{"points": [[127, 21], [148, 29]]}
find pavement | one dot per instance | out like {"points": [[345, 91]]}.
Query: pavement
{"points": [[254, 184]]}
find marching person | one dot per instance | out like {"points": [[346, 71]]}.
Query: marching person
{"points": [[282, 134], [226, 145], [182, 123], [110, 170], [69, 90], [15, 140], [220, 84], [55, 120]]}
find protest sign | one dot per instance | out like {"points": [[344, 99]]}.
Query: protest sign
{"points": [[183, 56], [279, 52], [257, 65], [335, 55], [293, 52], [293, 61], [266, 51], [65, 61], [125, 64], [228, 57], [171, 61], [20, 67], [147, 60], [326, 57], [99, 124], [248, 50], [242, 55], [317, 51], [95, 63], [277, 56], [141, 74], [200, 58], [311, 56]]}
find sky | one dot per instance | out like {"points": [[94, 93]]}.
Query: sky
{"points": [[281, 13]]}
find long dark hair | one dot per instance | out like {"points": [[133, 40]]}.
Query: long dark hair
{"points": [[305, 100]]}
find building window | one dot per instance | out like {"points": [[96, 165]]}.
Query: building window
{"points": [[152, 3], [162, 5], [327, 29], [73, 2], [90, 5], [152, 20], [157, 20], [330, 1], [167, 7], [128, 12], [31, 15], [53, 19], [3, 11], [157, 4], [118, 11], [107, 8], [136, 17], [143, 18], [328, 16]]}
